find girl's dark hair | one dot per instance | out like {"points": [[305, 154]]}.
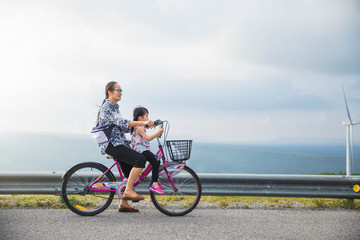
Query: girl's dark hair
{"points": [[138, 112], [109, 87]]}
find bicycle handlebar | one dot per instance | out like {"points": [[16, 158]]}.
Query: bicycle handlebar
{"points": [[158, 123]]}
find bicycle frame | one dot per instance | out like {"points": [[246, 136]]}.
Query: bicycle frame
{"points": [[167, 168]]}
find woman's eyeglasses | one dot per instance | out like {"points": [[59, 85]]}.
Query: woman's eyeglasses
{"points": [[118, 90]]}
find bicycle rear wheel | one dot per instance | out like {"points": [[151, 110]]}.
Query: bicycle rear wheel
{"points": [[183, 200], [76, 194]]}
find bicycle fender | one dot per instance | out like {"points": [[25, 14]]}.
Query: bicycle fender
{"points": [[172, 168]]}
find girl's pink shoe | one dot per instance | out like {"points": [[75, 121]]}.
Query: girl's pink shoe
{"points": [[161, 186], [156, 190]]}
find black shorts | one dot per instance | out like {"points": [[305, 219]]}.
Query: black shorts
{"points": [[126, 155]]}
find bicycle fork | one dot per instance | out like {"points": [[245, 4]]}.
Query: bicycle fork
{"points": [[171, 169]]}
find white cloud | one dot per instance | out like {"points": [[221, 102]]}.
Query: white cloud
{"points": [[232, 71], [318, 35], [264, 121]]}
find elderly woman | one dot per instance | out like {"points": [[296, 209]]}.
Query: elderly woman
{"points": [[132, 162]]}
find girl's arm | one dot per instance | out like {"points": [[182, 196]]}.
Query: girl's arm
{"points": [[142, 133]]}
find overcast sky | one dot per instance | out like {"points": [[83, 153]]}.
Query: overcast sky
{"points": [[219, 71]]}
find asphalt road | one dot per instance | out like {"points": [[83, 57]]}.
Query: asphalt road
{"points": [[199, 224]]}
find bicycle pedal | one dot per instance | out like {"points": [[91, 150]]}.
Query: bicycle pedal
{"points": [[135, 200]]}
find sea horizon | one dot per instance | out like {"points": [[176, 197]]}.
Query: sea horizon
{"points": [[58, 152]]}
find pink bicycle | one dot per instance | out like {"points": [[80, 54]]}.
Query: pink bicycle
{"points": [[88, 188]]}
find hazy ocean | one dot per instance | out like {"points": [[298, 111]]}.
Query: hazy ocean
{"points": [[41, 152]]}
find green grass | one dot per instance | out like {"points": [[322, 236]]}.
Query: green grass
{"points": [[280, 202], [45, 201], [31, 201]]}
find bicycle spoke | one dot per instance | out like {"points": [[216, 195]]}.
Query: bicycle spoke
{"points": [[75, 190], [182, 201]]}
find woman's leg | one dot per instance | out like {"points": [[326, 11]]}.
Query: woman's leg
{"points": [[134, 173], [130, 157], [126, 169]]}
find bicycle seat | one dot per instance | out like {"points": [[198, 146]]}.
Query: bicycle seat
{"points": [[109, 156]]}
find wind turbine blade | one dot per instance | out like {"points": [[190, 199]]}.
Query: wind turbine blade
{"points": [[347, 107]]}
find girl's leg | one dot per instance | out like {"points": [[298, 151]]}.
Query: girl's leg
{"points": [[154, 186], [150, 157]]}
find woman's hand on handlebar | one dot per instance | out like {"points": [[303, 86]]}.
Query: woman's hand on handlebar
{"points": [[149, 123]]}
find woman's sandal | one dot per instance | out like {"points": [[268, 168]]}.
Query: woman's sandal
{"points": [[127, 209], [134, 199]]}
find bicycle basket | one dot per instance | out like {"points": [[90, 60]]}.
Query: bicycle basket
{"points": [[179, 150]]}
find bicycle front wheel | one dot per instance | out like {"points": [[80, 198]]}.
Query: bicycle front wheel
{"points": [[76, 193], [180, 201]]}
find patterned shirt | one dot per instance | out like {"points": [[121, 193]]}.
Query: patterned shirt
{"points": [[110, 114], [138, 143]]}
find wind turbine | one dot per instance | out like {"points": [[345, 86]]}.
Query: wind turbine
{"points": [[349, 135]]}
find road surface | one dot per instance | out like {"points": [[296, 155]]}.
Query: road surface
{"points": [[216, 224]]}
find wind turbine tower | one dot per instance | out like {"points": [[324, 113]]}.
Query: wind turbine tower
{"points": [[349, 135]]}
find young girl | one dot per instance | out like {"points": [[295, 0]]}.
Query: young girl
{"points": [[140, 142]]}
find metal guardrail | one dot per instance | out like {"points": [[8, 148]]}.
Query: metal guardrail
{"points": [[281, 185]]}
